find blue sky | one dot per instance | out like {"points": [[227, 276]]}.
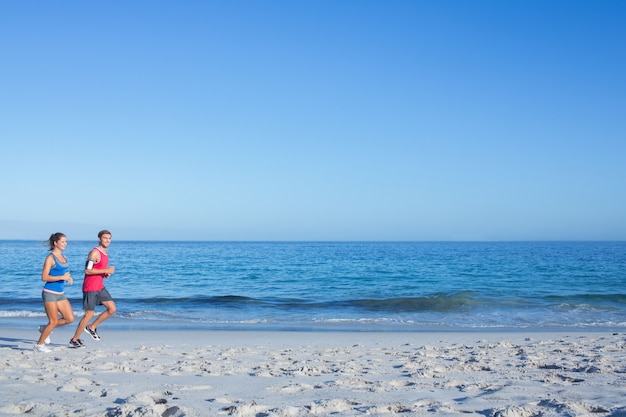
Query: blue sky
{"points": [[313, 120]]}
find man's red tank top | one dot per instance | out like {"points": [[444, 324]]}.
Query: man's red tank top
{"points": [[93, 283]]}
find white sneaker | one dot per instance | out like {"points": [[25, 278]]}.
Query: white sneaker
{"points": [[41, 348], [47, 341]]}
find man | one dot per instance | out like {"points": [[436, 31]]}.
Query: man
{"points": [[94, 293]]}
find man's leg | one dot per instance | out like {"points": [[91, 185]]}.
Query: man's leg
{"points": [[110, 310], [83, 323]]}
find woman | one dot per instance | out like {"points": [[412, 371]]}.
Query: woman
{"points": [[55, 274]]}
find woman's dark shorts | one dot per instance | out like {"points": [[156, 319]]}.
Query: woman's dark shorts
{"points": [[50, 297]]}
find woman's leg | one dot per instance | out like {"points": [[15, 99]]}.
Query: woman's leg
{"points": [[53, 308], [67, 314], [52, 312]]}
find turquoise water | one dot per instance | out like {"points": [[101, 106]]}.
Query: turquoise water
{"points": [[338, 286]]}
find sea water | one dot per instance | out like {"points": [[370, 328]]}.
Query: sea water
{"points": [[356, 286]]}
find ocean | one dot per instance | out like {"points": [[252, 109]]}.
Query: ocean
{"points": [[336, 286]]}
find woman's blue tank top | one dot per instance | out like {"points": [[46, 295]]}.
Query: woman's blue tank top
{"points": [[58, 270]]}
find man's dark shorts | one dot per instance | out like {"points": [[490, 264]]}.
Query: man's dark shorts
{"points": [[95, 298]]}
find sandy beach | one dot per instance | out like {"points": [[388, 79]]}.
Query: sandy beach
{"points": [[245, 373]]}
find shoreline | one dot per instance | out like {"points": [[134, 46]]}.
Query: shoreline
{"points": [[117, 324], [282, 373]]}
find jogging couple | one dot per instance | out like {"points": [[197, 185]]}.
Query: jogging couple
{"points": [[56, 273]]}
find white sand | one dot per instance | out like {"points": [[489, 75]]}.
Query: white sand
{"points": [[211, 373]]}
